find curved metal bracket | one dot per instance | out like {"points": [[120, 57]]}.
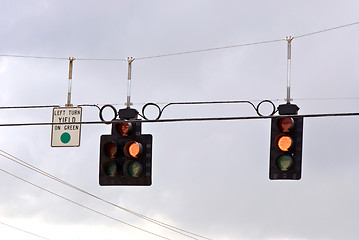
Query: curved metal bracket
{"points": [[125, 113], [114, 111], [160, 111]]}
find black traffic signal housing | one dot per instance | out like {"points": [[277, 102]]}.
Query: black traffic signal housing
{"points": [[286, 148], [125, 156]]}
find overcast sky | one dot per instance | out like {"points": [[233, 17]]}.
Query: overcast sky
{"points": [[210, 178]]}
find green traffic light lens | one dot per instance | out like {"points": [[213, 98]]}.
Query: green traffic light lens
{"points": [[284, 162], [111, 169], [135, 169]]}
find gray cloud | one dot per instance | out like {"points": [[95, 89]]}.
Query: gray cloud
{"points": [[208, 177]]}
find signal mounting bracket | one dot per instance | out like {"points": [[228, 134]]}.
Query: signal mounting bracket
{"points": [[288, 109], [127, 113]]}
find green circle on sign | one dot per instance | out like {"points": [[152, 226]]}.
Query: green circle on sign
{"points": [[65, 137]]}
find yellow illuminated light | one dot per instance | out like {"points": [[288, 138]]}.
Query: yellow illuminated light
{"points": [[284, 143], [134, 149]]}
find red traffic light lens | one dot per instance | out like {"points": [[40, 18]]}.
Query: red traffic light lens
{"points": [[110, 149], [284, 162], [286, 124], [133, 149], [135, 169], [124, 128], [284, 143]]}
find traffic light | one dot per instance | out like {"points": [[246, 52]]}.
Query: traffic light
{"points": [[125, 156], [286, 148]]}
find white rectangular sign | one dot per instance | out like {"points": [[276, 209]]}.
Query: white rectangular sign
{"points": [[66, 134]]}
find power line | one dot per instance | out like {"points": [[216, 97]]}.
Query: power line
{"points": [[22, 230], [255, 100], [29, 107], [102, 59], [164, 225], [62, 58], [38, 57], [25, 164], [148, 57], [83, 206], [182, 119], [44, 106], [247, 44], [165, 103], [327, 30], [186, 52], [210, 49]]}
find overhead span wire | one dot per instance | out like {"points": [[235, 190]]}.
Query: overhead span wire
{"points": [[184, 119]]}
